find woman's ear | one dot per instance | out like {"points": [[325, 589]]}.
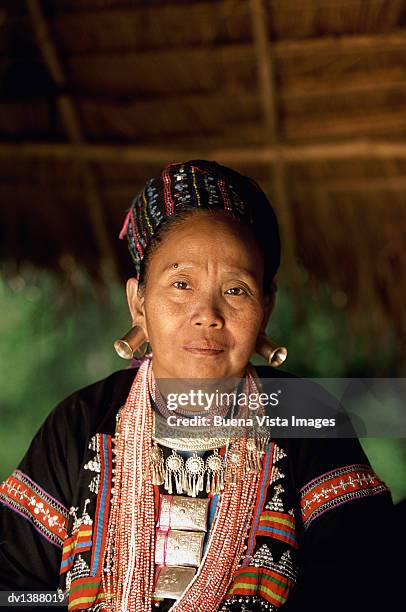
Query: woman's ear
{"points": [[269, 304], [135, 301]]}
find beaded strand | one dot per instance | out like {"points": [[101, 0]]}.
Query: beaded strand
{"points": [[129, 557], [128, 580]]}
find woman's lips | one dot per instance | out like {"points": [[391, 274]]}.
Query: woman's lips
{"points": [[205, 352], [204, 348]]}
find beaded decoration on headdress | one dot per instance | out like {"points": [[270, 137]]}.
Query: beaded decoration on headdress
{"points": [[128, 579]]}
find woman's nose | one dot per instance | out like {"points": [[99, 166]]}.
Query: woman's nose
{"points": [[207, 315]]}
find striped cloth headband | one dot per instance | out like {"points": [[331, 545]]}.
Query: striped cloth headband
{"points": [[200, 184]]}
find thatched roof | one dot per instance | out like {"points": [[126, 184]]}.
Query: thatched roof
{"points": [[307, 97]]}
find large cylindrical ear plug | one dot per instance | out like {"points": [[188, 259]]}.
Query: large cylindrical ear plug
{"points": [[274, 354], [128, 344]]}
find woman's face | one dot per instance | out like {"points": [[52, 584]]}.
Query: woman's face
{"points": [[203, 305]]}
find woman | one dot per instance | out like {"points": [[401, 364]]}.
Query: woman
{"points": [[124, 519]]}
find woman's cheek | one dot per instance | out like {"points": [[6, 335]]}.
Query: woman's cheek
{"points": [[156, 308], [249, 320], [163, 324]]}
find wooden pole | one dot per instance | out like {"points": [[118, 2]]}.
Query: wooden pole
{"points": [[248, 156], [268, 98], [71, 122]]}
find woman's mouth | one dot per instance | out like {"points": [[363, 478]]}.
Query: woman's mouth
{"points": [[204, 348], [205, 352]]}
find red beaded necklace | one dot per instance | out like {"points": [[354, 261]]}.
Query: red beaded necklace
{"points": [[129, 556]]}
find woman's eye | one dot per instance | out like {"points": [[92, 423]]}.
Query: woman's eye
{"points": [[236, 289], [180, 283]]}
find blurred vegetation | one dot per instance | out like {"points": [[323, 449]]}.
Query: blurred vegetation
{"points": [[57, 338]]}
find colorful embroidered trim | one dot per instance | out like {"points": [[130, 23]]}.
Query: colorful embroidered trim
{"points": [[79, 542], [48, 516], [84, 593], [338, 487], [279, 525], [259, 502], [262, 582], [103, 503]]}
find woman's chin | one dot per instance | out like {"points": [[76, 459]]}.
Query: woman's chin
{"points": [[187, 365], [191, 368]]}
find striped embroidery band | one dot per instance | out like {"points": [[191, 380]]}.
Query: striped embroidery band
{"points": [[84, 593], [224, 194], [195, 186], [169, 204], [338, 487], [262, 582], [279, 525], [77, 543], [104, 444], [47, 515]]}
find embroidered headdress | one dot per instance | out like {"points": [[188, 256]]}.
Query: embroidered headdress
{"points": [[201, 184]]}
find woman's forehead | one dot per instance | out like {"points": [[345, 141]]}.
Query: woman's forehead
{"points": [[222, 245]]}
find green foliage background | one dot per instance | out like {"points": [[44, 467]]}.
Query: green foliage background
{"points": [[55, 339]]}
